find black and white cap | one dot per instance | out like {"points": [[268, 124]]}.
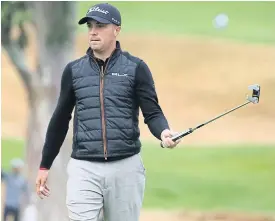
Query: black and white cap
{"points": [[102, 13]]}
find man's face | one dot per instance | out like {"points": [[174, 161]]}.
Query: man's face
{"points": [[101, 36], [16, 170]]}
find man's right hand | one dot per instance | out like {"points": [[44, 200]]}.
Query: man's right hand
{"points": [[42, 189]]}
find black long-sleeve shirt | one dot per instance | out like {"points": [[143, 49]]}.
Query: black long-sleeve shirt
{"points": [[59, 123]]}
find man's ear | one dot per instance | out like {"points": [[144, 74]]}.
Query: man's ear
{"points": [[117, 30]]}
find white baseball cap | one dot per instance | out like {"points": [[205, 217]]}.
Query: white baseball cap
{"points": [[17, 163]]}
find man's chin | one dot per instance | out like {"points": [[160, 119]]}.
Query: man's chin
{"points": [[96, 48]]}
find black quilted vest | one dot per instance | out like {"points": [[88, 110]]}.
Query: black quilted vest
{"points": [[106, 111]]}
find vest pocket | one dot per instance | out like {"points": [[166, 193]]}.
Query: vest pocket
{"points": [[135, 132], [75, 138], [134, 126]]}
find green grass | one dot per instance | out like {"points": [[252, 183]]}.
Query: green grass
{"points": [[248, 21], [10, 149], [227, 178]]}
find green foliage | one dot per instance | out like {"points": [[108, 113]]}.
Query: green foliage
{"points": [[22, 14], [14, 14], [20, 11], [248, 21], [211, 178]]}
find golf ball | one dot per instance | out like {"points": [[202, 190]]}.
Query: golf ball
{"points": [[221, 21]]}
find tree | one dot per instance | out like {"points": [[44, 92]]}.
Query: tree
{"points": [[54, 25]]}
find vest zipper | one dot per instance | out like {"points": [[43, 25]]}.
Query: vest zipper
{"points": [[101, 86], [102, 112]]}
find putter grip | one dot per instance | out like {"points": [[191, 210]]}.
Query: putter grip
{"points": [[180, 135]]}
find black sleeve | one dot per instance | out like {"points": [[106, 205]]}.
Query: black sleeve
{"points": [[148, 101], [59, 123]]}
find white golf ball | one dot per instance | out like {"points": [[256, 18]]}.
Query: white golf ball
{"points": [[221, 21]]}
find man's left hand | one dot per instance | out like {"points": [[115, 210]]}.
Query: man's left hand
{"points": [[166, 137]]}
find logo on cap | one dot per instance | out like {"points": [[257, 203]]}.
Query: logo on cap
{"points": [[98, 10], [116, 21]]}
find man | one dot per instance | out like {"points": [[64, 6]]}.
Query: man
{"points": [[106, 86], [16, 188]]}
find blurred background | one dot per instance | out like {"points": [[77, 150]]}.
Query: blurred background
{"points": [[203, 56]]}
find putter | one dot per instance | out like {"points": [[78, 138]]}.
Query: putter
{"points": [[250, 99]]}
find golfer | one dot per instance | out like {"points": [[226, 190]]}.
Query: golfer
{"points": [[106, 86]]}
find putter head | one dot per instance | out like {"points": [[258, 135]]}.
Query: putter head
{"points": [[255, 93]]}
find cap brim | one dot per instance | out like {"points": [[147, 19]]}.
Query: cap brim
{"points": [[96, 18]]}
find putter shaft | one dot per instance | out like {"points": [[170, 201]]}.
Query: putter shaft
{"points": [[251, 99], [221, 115], [191, 130]]}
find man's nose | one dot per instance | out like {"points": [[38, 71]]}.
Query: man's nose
{"points": [[93, 31]]}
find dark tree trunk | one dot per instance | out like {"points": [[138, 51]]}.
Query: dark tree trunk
{"points": [[55, 27]]}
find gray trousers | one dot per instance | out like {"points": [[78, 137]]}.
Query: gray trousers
{"points": [[116, 187]]}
